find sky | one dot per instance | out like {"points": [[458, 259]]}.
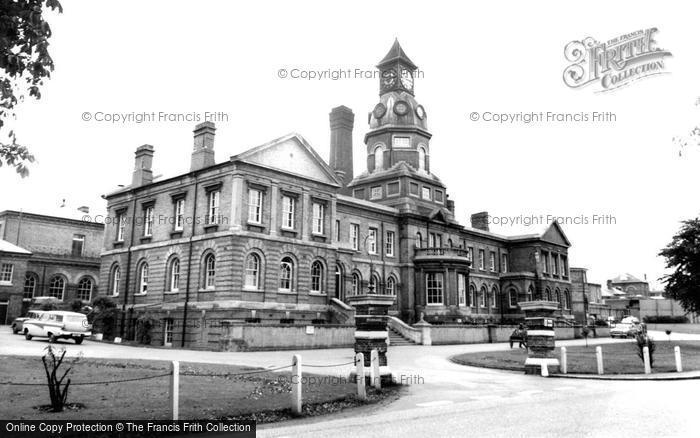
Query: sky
{"points": [[188, 58]]}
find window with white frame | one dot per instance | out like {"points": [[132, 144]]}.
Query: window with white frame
{"points": [[390, 237], [356, 284], [375, 192], [513, 297], [391, 286], [213, 198], [433, 288], [555, 264], [374, 284], [209, 271], [286, 274], [470, 254], [84, 292], [421, 158], [148, 221], [482, 297], [492, 261], [426, 193], [317, 277], [179, 214], [472, 295], [174, 275], [143, 279], [168, 332], [252, 271], [545, 262], [57, 285], [116, 278], [355, 236], [372, 241], [318, 217], [121, 227], [401, 142], [530, 293], [378, 158], [29, 286], [419, 240], [255, 198], [482, 259], [462, 289], [288, 207], [78, 243], [6, 273], [504, 262], [494, 297]]}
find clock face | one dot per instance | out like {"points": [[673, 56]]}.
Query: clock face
{"points": [[401, 108], [420, 112], [388, 78], [406, 79], [379, 111]]}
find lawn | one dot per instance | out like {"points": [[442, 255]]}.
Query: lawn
{"points": [[676, 328], [264, 397], [618, 358]]}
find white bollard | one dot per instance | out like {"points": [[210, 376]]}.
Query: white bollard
{"points": [[562, 361], [647, 363], [175, 389], [544, 370], [360, 375], [599, 358], [296, 384], [376, 378], [679, 364]]}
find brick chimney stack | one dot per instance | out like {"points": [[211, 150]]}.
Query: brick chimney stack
{"points": [[342, 120], [203, 153], [142, 169], [480, 221]]}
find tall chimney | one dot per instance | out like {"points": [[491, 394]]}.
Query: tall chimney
{"points": [[203, 153], [342, 120], [480, 221], [142, 169]]}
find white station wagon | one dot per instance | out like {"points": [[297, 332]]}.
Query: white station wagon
{"points": [[57, 325]]}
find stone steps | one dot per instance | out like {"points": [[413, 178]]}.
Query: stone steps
{"points": [[396, 339]]}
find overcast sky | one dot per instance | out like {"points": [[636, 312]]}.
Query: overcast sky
{"points": [[503, 57]]}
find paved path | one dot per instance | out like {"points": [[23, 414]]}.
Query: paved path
{"points": [[446, 399]]}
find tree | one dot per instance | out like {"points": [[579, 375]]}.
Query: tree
{"points": [[24, 64], [683, 256]]}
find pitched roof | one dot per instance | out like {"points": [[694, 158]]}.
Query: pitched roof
{"points": [[627, 278], [8, 247], [396, 53]]}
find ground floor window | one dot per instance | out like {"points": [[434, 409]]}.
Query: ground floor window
{"points": [[462, 289], [513, 297], [434, 287], [85, 289], [56, 287], [168, 332]]}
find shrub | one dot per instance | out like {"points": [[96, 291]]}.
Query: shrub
{"points": [[144, 324], [48, 306], [75, 305], [666, 319], [601, 323], [104, 316], [643, 340]]}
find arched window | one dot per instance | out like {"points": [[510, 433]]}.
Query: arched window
{"points": [[209, 271], [252, 271], [286, 274], [557, 296], [567, 300], [494, 295], [143, 279], [391, 286], [530, 293], [513, 297], [338, 281], [84, 289], [548, 294], [472, 295], [57, 285], [374, 284], [378, 158], [317, 277], [419, 240], [482, 296], [421, 158], [174, 275], [115, 280], [29, 286], [356, 284]]}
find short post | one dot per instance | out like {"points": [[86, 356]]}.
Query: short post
{"points": [[679, 365], [296, 384], [360, 376], [544, 370], [175, 389], [599, 358], [374, 372], [647, 363], [562, 361]]}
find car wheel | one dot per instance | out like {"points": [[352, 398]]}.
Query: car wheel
{"points": [[14, 330], [52, 338], [78, 340], [27, 336]]}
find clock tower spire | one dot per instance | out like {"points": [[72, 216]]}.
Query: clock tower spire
{"points": [[396, 70]]}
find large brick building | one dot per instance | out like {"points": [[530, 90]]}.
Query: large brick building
{"points": [[46, 255], [275, 235]]}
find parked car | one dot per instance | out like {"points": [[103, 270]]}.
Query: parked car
{"points": [[57, 324], [18, 323], [624, 330]]}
